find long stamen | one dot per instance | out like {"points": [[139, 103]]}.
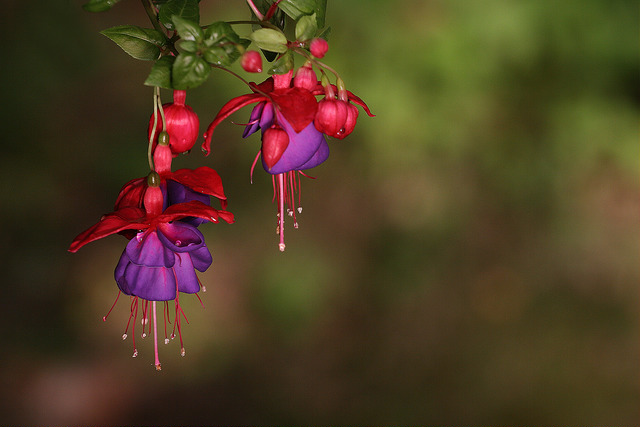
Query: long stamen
{"points": [[133, 326], [104, 318], [254, 165], [166, 317], [281, 209], [178, 325], [155, 338], [145, 318]]}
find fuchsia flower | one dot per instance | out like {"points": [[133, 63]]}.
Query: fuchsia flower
{"points": [[291, 142], [160, 260]]}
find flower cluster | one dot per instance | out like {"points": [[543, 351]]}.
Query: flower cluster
{"points": [[293, 124], [160, 214]]}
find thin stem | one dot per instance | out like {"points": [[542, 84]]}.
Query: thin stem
{"points": [[265, 24], [157, 106], [311, 58], [253, 87], [152, 136], [255, 10], [153, 17]]}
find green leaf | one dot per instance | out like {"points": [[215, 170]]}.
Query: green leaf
{"points": [[140, 43], [189, 71], [282, 65], [220, 31], [306, 28], [271, 40], [189, 46], [298, 8], [222, 44], [185, 9], [188, 30], [99, 5], [225, 53], [160, 74]]}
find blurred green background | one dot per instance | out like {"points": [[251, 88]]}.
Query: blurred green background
{"points": [[468, 256]]}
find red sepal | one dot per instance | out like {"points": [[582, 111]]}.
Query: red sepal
{"points": [[319, 90], [297, 105], [227, 109], [131, 194], [193, 208], [356, 100], [123, 219], [202, 180]]}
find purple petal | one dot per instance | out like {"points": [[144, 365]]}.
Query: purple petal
{"points": [[119, 273], [254, 124], [266, 119], [147, 249], [180, 237], [179, 193], [302, 148], [201, 258], [150, 283], [186, 275], [320, 156]]}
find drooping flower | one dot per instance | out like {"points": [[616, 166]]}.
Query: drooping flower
{"points": [[337, 115], [291, 142], [159, 262]]}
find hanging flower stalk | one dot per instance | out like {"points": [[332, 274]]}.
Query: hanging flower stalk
{"points": [[160, 214]]}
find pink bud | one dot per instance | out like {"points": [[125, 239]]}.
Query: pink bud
{"points": [[350, 122], [251, 62], [153, 201], [318, 47], [274, 142], [331, 117], [162, 157], [305, 78], [182, 124]]}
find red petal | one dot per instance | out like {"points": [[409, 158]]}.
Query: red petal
{"points": [[297, 105], [227, 109], [203, 180], [193, 208], [124, 219]]}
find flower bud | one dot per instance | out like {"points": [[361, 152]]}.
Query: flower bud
{"points": [[182, 124], [162, 158], [251, 62], [350, 122], [153, 195], [274, 142], [318, 47], [331, 117], [305, 77]]}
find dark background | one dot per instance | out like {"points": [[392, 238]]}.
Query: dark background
{"points": [[468, 256]]}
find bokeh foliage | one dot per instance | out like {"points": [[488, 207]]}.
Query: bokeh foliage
{"points": [[467, 256]]}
